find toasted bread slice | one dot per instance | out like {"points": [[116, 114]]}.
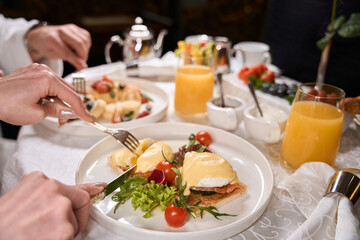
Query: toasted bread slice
{"points": [[216, 200]]}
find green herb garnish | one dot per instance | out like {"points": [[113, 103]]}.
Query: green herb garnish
{"points": [[193, 145], [193, 142], [258, 83], [146, 97], [129, 114], [112, 93]]}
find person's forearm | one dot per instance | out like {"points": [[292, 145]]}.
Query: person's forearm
{"points": [[35, 54], [14, 53]]}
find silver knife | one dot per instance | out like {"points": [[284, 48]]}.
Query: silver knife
{"points": [[113, 185]]}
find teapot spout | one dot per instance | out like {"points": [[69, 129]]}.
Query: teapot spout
{"points": [[159, 42]]}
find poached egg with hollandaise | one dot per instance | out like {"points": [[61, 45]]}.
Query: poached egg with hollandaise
{"points": [[206, 170], [156, 153]]}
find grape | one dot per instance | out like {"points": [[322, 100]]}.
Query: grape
{"points": [[265, 87], [89, 105], [273, 89], [282, 90]]}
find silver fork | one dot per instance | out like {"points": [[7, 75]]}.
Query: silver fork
{"points": [[79, 83], [122, 135]]}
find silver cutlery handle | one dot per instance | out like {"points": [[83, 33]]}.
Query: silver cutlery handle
{"points": [[102, 128]]}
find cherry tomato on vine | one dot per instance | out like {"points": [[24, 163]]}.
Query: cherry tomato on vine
{"points": [[204, 138], [170, 175], [175, 216]]}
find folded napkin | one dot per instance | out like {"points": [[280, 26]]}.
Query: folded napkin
{"points": [[329, 217], [159, 69]]}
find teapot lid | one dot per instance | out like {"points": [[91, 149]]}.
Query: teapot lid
{"points": [[139, 30]]}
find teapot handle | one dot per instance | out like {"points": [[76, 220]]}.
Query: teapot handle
{"points": [[114, 39]]}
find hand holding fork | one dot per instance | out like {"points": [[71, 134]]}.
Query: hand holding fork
{"points": [[121, 135]]}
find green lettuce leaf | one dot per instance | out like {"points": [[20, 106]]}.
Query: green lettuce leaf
{"points": [[127, 189], [149, 196]]}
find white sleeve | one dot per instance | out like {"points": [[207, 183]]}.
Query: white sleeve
{"points": [[13, 52]]}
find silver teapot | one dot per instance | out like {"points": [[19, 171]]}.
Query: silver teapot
{"points": [[139, 43]]}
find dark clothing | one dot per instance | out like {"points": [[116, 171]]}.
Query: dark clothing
{"points": [[292, 30], [9, 131]]}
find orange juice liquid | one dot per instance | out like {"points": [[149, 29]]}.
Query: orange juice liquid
{"points": [[193, 87], [312, 133]]}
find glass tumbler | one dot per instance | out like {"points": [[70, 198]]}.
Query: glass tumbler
{"points": [[313, 129], [194, 83]]}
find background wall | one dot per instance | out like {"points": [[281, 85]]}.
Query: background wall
{"points": [[237, 20]]}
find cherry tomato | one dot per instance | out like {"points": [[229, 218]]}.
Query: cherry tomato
{"points": [[144, 100], [242, 73], [95, 84], [245, 73], [106, 79], [268, 76], [258, 69], [204, 138], [170, 175], [322, 93], [102, 87], [313, 92], [175, 216], [332, 98], [143, 114]]}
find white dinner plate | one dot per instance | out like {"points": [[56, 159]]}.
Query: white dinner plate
{"points": [[250, 164], [80, 128]]}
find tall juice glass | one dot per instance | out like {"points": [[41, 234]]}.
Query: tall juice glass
{"points": [[194, 83], [313, 129]]}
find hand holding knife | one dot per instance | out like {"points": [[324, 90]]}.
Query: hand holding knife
{"points": [[113, 185]]}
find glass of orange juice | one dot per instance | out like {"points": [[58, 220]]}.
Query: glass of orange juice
{"points": [[313, 129], [194, 83]]}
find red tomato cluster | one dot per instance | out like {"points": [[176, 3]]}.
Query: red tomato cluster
{"points": [[322, 96], [259, 71]]}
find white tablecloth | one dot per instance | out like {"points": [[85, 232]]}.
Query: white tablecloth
{"points": [[57, 155]]}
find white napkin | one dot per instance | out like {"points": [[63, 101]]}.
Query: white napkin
{"points": [[159, 69], [329, 217]]}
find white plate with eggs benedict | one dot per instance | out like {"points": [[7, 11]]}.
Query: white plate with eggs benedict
{"points": [[250, 165]]}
